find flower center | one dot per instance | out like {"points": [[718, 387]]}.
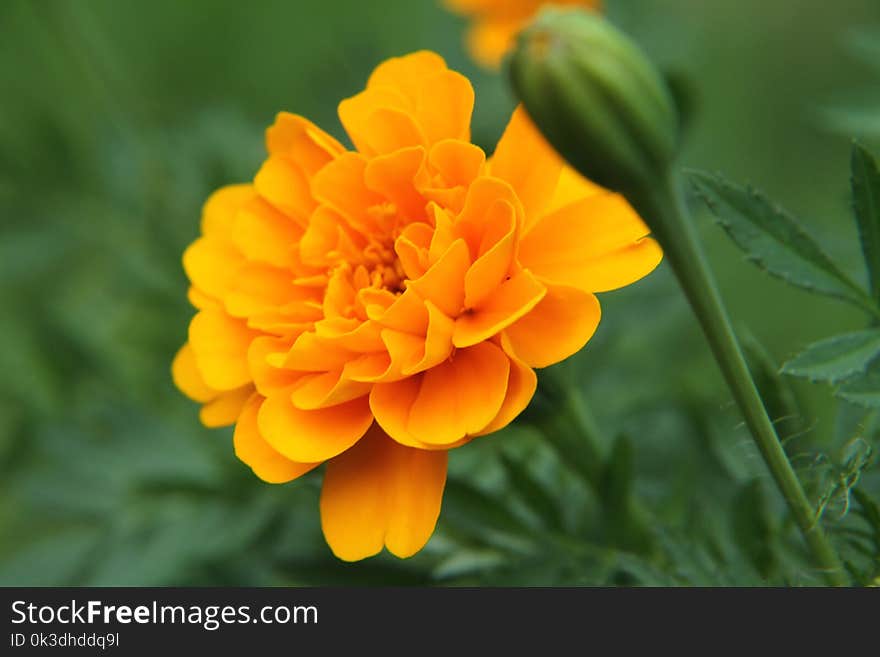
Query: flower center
{"points": [[382, 268]]}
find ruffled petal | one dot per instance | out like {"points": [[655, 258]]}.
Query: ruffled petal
{"points": [[443, 283], [270, 380], [596, 244], [315, 435], [225, 408], [495, 259], [391, 403], [397, 176], [326, 389], [341, 186], [286, 187], [458, 162], [258, 288], [380, 493], [513, 299], [299, 139], [559, 326], [521, 388], [220, 345], [406, 75], [524, 159], [256, 453], [379, 120], [444, 106], [263, 233], [211, 265], [187, 377], [461, 396], [221, 208]]}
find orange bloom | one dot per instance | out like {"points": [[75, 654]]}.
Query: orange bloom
{"points": [[497, 22], [374, 308]]}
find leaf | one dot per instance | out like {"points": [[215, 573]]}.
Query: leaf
{"points": [[533, 492], [853, 421], [775, 241], [862, 389], [473, 511], [775, 390], [753, 527], [869, 510], [835, 358], [866, 203], [626, 522]]}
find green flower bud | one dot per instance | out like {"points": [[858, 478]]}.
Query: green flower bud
{"points": [[596, 98]]}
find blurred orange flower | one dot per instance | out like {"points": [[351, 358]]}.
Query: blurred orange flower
{"points": [[376, 307], [496, 23]]}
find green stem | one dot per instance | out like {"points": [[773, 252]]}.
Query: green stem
{"points": [[671, 225]]}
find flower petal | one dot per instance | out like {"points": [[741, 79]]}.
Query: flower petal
{"points": [[258, 288], [254, 451], [201, 300], [437, 344], [381, 493], [595, 244], [391, 403], [559, 326], [263, 233], [341, 185], [396, 177], [443, 283], [572, 187], [326, 389], [219, 211], [302, 141], [482, 196], [211, 265], [489, 40], [461, 396], [225, 408], [406, 74], [286, 187], [524, 159], [444, 106], [521, 388], [270, 380], [316, 435], [513, 299], [220, 345], [187, 377], [493, 265], [458, 162], [379, 120]]}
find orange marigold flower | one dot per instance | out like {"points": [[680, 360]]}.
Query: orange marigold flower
{"points": [[374, 308], [497, 22]]}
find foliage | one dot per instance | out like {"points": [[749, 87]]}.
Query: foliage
{"points": [[777, 243], [631, 467]]}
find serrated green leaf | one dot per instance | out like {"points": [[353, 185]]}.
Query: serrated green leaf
{"points": [[835, 358], [866, 204], [775, 241], [862, 389]]}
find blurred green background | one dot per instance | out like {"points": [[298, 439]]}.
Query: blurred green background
{"points": [[118, 119]]}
